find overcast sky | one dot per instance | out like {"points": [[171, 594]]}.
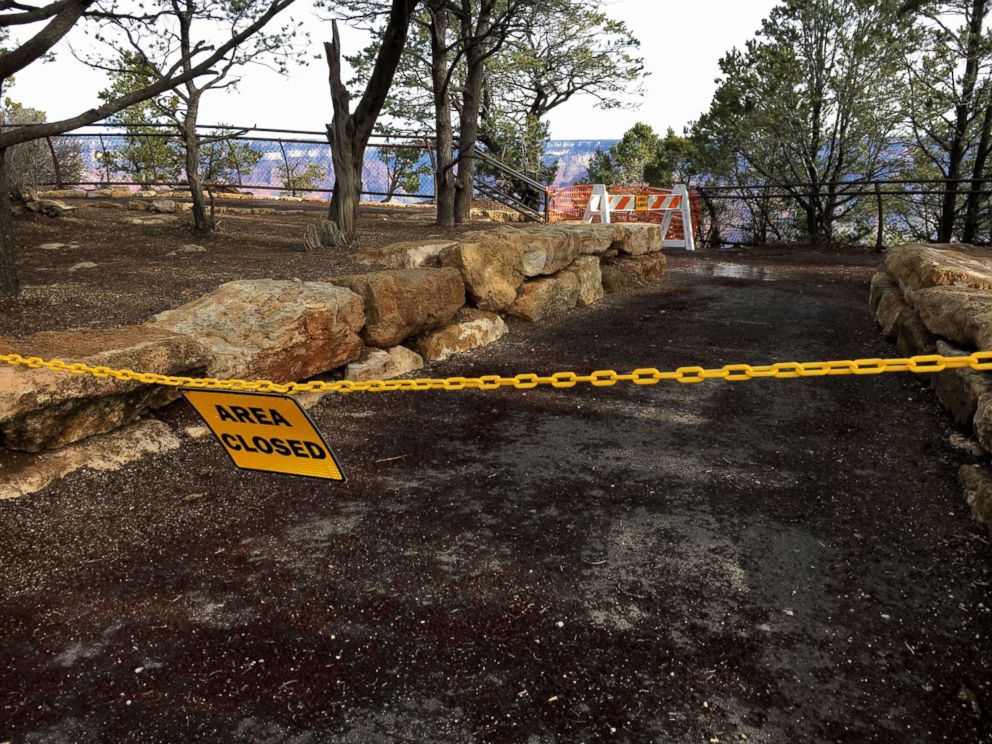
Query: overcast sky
{"points": [[681, 43]]}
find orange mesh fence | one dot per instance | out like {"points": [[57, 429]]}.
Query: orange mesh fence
{"points": [[571, 203]]}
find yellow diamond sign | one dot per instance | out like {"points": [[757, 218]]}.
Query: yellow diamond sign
{"points": [[266, 432]]}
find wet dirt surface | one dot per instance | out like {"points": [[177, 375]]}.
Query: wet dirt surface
{"points": [[772, 561]]}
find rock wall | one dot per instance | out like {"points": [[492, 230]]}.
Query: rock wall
{"points": [[937, 299], [439, 297]]}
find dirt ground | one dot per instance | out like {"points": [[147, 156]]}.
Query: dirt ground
{"points": [[127, 256], [763, 561]]}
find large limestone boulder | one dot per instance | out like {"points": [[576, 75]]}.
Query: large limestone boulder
{"points": [[470, 329], [638, 238], [104, 452], [271, 329], [62, 194], [982, 422], [960, 389], [404, 302], [492, 272], [976, 480], [593, 239], [41, 409], [628, 272], [890, 305], [920, 266], [547, 297], [912, 336], [880, 285], [408, 255], [587, 271], [495, 215], [546, 250], [48, 207], [162, 206], [958, 314], [383, 364]]}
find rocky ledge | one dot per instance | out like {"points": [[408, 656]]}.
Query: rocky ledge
{"points": [[937, 299], [440, 297]]}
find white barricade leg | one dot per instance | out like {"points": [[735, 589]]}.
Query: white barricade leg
{"points": [[685, 209], [599, 201]]}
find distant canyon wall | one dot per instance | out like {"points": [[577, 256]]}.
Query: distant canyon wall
{"points": [[573, 158]]}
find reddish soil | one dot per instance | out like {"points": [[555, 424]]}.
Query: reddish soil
{"points": [[769, 561]]}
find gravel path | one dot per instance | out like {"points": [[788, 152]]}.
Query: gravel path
{"points": [[770, 561]]}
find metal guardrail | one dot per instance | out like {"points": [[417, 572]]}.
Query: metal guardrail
{"points": [[869, 212], [289, 160], [537, 211]]}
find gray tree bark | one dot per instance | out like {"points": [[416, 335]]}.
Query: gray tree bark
{"points": [[444, 175], [468, 129], [348, 133], [10, 284]]}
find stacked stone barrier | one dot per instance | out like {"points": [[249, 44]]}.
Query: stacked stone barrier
{"points": [[937, 299], [419, 301]]}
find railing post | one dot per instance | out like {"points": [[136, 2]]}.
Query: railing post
{"points": [[881, 217], [289, 175], [433, 159], [55, 163], [106, 163]]}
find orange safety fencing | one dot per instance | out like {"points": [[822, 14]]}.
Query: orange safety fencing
{"points": [[571, 202]]}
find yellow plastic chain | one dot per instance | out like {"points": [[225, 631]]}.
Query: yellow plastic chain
{"points": [[981, 361]]}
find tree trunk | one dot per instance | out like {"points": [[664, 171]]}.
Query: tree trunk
{"points": [[10, 284], [444, 167], [714, 238], [468, 124], [343, 210], [962, 116], [812, 221], [974, 197], [191, 141], [348, 133]]}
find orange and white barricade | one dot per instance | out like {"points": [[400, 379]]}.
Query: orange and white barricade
{"points": [[674, 209]]}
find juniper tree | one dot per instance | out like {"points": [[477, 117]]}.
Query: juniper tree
{"points": [[57, 19], [142, 51]]}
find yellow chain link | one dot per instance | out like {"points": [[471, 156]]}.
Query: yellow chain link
{"points": [[981, 361]]}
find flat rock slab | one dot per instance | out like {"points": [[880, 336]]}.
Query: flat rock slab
{"points": [[405, 302], [276, 330], [638, 238], [383, 364], [470, 329], [921, 266], [592, 238], [958, 314], [41, 409], [407, 255], [545, 250], [105, 452]]}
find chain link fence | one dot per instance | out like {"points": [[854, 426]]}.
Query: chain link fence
{"points": [[869, 214], [399, 167], [262, 162]]}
